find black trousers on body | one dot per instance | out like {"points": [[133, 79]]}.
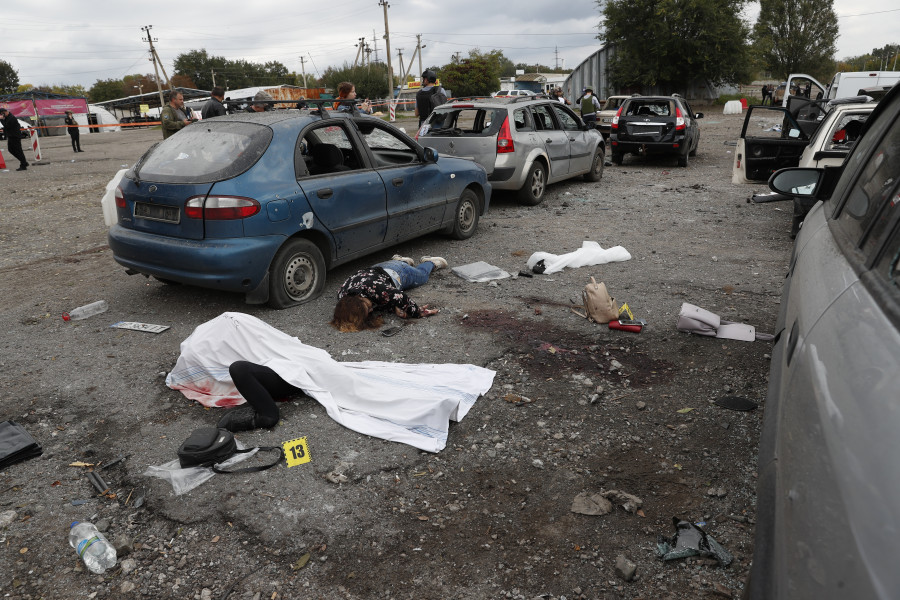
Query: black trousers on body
{"points": [[260, 386]]}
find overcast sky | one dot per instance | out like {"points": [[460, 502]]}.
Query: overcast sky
{"points": [[79, 41]]}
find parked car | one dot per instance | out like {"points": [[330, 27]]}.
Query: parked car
{"points": [[606, 116], [523, 143], [828, 504], [772, 138], [655, 125], [266, 203], [512, 93]]}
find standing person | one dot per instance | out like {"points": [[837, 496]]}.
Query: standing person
{"points": [[172, 116], [589, 106], [381, 288], [557, 94], [13, 137], [429, 97], [765, 93], [74, 133], [259, 102], [214, 106], [347, 91]]}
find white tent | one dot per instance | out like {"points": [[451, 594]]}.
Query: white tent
{"points": [[104, 117]]}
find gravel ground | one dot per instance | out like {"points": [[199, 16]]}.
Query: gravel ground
{"points": [[575, 407]]}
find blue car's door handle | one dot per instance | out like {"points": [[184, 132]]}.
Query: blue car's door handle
{"points": [[397, 181], [325, 193]]}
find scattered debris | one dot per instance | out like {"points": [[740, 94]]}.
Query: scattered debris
{"points": [[587, 503], [625, 569], [135, 326], [690, 540], [480, 271], [16, 444]]}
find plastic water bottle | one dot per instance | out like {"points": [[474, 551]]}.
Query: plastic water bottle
{"points": [[88, 310], [92, 546]]}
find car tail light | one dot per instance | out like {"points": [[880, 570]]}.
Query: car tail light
{"points": [[679, 120], [120, 198], [615, 121], [220, 208], [504, 138]]}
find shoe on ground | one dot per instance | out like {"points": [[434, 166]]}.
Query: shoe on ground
{"points": [[22, 169], [405, 259], [439, 263], [243, 418]]}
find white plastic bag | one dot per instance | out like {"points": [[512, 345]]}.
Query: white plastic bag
{"points": [[184, 480], [108, 202]]}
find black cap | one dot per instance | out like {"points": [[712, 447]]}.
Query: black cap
{"points": [[429, 75]]}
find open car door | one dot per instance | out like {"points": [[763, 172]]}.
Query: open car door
{"points": [[771, 139]]}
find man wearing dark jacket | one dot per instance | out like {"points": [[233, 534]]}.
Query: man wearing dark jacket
{"points": [[13, 136], [429, 97], [214, 106]]}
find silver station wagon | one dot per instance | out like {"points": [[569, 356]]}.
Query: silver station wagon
{"points": [[523, 143]]}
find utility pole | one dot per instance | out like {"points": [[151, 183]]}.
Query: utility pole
{"points": [[154, 58], [213, 73], [303, 68], [360, 52], [402, 71], [375, 44], [556, 56], [456, 57], [387, 43], [419, 47]]}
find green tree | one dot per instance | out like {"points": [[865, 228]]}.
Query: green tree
{"points": [[107, 89], [199, 66], [9, 78], [478, 75], [796, 36], [670, 43], [370, 80]]}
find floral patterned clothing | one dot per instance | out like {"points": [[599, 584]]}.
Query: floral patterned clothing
{"points": [[376, 285]]}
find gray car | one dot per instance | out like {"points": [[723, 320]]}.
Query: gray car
{"points": [[523, 143], [828, 508]]}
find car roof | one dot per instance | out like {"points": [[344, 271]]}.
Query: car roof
{"points": [[488, 102]]}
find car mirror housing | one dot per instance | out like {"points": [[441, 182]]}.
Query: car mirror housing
{"points": [[698, 116], [431, 155], [796, 181]]}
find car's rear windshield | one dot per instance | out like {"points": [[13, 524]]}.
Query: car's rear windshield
{"points": [[206, 152], [652, 108], [465, 121]]}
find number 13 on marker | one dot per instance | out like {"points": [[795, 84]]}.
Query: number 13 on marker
{"points": [[296, 452]]}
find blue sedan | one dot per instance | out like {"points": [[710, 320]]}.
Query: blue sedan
{"points": [[266, 203]]}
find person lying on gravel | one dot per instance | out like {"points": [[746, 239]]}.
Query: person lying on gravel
{"points": [[381, 288]]}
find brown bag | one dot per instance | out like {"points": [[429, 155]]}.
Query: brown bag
{"points": [[598, 304]]}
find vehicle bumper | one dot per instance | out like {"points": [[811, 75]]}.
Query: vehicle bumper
{"points": [[231, 264], [677, 146]]}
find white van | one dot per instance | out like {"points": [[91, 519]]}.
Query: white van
{"points": [[842, 85]]}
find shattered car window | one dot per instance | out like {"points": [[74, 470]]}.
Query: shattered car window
{"points": [[206, 152], [652, 109]]}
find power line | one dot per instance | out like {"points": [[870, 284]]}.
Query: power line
{"points": [[878, 12]]}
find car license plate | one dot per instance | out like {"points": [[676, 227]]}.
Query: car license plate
{"points": [[607, 119], [157, 212]]}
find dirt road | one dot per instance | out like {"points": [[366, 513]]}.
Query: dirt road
{"points": [[488, 517]]}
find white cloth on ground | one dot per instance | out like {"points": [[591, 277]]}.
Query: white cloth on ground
{"points": [[590, 253], [408, 403]]}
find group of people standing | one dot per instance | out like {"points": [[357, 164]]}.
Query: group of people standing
{"points": [[13, 132]]}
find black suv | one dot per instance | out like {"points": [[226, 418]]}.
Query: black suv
{"points": [[655, 125]]}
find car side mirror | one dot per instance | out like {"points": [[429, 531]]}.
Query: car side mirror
{"points": [[796, 181], [698, 116], [431, 155]]}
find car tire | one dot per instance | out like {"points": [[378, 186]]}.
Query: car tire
{"points": [[683, 160], [617, 158], [596, 172], [297, 274], [532, 193], [696, 146], [465, 220]]}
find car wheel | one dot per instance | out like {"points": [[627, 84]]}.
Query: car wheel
{"points": [[696, 146], [532, 192], [617, 158], [596, 172], [683, 160], [297, 274], [465, 222]]}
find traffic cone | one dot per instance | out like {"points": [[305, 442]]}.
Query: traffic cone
{"points": [[2, 162]]}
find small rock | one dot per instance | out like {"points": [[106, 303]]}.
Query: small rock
{"points": [[7, 517], [715, 259], [721, 590], [126, 587], [538, 463], [128, 565], [123, 545], [615, 365], [625, 569], [641, 405], [102, 525]]}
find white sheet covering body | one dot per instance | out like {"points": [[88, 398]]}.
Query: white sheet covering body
{"points": [[590, 253], [408, 403]]}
